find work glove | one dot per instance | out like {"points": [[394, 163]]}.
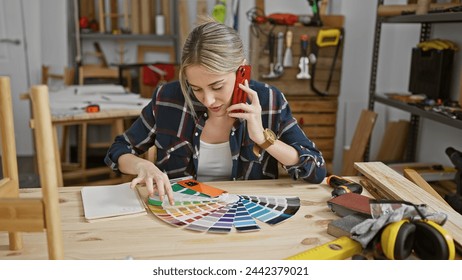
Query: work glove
{"points": [[365, 231]]}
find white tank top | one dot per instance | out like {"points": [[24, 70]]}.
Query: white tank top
{"points": [[215, 162]]}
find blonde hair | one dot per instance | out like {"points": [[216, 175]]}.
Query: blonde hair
{"points": [[214, 46]]}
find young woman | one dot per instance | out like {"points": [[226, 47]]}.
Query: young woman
{"points": [[191, 123]]}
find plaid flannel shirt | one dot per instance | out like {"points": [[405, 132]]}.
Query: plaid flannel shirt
{"points": [[168, 123]]}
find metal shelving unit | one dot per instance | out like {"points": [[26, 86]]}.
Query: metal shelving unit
{"points": [[435, 116], [428, 18], [426, 22], [168, 39]]}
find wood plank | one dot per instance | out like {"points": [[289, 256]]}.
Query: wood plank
{"points": [[201, 9], [145, 16], [375, 191], [114, 16], [320, 119], [328, 155], [260, 4], [85, 8], [401, 188], [135, 17], [415, 177], [323, 144], [315, 132], [328, 106], [394, 142], [101, 18], [126, 16], [333, 20], [359, 142], [167, 12], [183, 11]]}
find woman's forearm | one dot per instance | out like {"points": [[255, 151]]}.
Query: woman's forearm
{"points": [[129, 164]]}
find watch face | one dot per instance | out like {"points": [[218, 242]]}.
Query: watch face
{"points": [[270, 135]]}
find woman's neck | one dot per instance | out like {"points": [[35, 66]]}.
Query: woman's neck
{"points": [[216, 129]]}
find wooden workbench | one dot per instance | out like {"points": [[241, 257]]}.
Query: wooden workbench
{"points": [[147, 237], [67, 107]]}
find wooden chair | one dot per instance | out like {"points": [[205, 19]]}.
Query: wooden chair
{"points": [[21, 214], [101, 72], [359, 142], [116, 126], [97, 72], [67, 79]]}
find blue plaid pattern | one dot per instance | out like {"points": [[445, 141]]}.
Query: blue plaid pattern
{"points": [[168, 123]]}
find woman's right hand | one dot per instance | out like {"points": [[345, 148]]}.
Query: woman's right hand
{"points": [[156, 181]]}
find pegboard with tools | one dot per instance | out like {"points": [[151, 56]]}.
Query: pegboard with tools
{"points": [[312, 95]]}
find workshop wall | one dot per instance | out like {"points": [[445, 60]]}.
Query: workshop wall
{"points": [[359, 29]]}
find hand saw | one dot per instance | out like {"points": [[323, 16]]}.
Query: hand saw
{"points": [[325, 38]]}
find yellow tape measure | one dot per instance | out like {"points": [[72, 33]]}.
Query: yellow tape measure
{"points": [[339, 249]]}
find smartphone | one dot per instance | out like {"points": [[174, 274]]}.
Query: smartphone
{"points": [[201, 187], [240, 96]]}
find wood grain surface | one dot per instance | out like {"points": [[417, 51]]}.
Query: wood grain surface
{"points": [[147, 237]]}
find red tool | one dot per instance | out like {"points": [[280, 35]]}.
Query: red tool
{"points": [[277, 18], [92, 108]]}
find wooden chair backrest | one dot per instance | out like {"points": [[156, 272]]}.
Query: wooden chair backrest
{"points": [[9, 183], [67, 77], [31, 214], [97, 71]]}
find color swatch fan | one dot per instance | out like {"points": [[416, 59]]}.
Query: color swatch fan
{"points": [[201, 211]]}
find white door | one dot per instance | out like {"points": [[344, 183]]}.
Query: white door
{"points": [[13, 63]]}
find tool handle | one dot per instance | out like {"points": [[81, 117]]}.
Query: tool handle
{"points": [[280, 46], [304, 44], [271, 41], [343, 186], [289, 38], [315, 9]]}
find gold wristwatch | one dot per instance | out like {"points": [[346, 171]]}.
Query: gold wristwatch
{"points": [[270, 138]]}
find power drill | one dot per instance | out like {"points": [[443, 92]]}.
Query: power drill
{"points": [[343, 186]]}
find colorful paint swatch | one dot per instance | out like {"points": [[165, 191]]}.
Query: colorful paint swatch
{"points": [[182, 196], [199, 212], [243, 221], [271, 210]]}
